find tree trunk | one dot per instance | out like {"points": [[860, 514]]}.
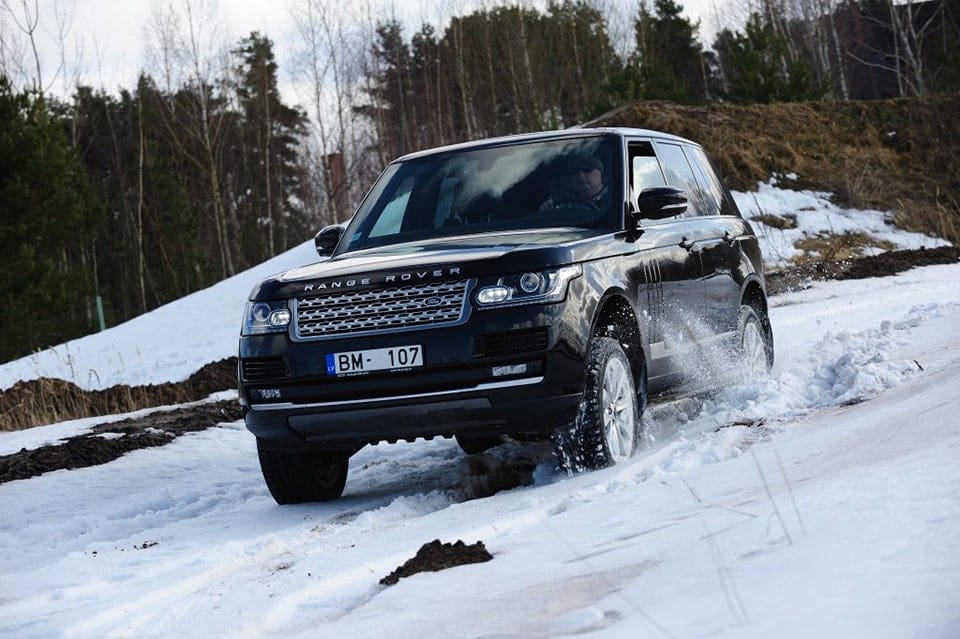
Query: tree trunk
{"points": [[139, 225]]}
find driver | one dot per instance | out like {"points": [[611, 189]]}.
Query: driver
{"points": [[585, 177]]}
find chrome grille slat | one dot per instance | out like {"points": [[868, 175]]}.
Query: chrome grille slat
{"points": [[396, 308]]}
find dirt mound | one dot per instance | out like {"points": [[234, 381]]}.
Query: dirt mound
{"points": [[46, 401], [886, 154], [109, 441], [890, 263], [436, 556]]}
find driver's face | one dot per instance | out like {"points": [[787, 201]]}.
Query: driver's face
{"points": [[587, 180]]}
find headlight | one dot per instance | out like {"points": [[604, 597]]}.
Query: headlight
{"points": [[534, 287], [265, 317]]}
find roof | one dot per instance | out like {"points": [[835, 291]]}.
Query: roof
{"points": [[559, 134]]}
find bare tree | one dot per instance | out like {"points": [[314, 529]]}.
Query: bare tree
{"points": [[910, 30], [26, 18], [331, 53], [185, 41], [12, 49], [908, 24]]}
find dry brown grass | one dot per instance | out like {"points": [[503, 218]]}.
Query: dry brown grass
{"points": [[46, 401], [839, 247], [898, 155], [776, 221]]}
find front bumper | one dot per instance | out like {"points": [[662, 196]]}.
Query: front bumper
{"points": [[455, 391]]}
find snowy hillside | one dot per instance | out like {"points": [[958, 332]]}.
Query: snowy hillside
{"points": [[819, 503]]}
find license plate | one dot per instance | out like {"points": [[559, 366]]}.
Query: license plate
{"points": [[376, 359]]}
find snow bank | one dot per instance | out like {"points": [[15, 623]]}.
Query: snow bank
{"points": [[816, 215], [823, 496]]}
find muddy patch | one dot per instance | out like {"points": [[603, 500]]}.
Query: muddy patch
{"points": [[107, 442], [435, 556], [890, 263]]}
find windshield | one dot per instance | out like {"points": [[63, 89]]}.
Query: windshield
{"points": [[571, 183]]}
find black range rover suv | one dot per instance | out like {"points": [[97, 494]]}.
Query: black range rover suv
{"points": [[527, 286]]}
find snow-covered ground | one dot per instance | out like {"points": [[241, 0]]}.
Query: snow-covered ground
{"points": [[820, 503], [175, 340]]}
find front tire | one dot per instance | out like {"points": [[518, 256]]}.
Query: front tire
{"points": [[300, 477], [607, 428]]}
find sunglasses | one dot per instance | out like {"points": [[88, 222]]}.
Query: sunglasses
{"points": [[583, 168]]}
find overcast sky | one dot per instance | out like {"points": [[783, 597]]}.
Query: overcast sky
{"points": [[105, 42]]}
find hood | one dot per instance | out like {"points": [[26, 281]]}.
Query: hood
{"points": [[479, 255]]}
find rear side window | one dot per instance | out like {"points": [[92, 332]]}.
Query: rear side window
{"points": [[712, 189], [727, 205], [680, 174]]}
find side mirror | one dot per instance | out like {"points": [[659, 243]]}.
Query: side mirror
{"points": [[661, 202], [328, 238]]}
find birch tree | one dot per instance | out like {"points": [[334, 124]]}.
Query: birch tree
{"points": [[185, 38]]}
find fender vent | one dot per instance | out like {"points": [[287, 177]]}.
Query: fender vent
{"points": [[263, 370]]}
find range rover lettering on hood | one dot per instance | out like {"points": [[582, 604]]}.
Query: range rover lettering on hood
{"points": [[388, 278]]}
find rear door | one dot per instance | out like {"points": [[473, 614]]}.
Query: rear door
{"points": [[720, 250], [671, 293]]}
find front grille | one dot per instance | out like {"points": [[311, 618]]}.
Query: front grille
{"points": [[401, 307], [263, 370], [526, 340]]}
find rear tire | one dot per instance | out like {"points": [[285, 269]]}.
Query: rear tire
{"points": [[753, 345], [607, 428], [300, 477]]}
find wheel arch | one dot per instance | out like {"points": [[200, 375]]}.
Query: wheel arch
{"points": [[616, 318], [754, 295]]}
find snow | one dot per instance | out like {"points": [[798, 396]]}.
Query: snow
{"points": [[167, 345], [820, 502], [816, 215]]}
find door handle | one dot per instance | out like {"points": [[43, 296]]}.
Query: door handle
{"points": [[685, 243]]}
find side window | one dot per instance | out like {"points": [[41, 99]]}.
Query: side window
{"points": [[710, 184], [680, 174], [645, 171], [727, 205]]}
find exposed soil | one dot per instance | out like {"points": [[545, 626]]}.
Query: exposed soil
{"points": [[109, 441], [435, 556], [47, 401], [890, 263]]}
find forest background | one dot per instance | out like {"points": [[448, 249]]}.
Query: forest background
{"points": [[113, 203]]}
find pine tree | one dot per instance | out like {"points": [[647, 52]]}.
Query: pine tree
{"points": [[668, 55], [267, 139], [759, 67], [47, 216]]}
